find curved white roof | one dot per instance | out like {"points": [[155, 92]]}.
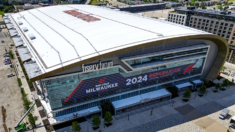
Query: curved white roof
{"points": [[58, 39]]}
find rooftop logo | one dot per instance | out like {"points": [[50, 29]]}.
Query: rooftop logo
{"points": [[96, 67]]}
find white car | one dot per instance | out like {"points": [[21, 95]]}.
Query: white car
{"points": [[10, 75]]}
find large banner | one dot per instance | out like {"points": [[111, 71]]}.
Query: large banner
{"points": [[114, 83]]}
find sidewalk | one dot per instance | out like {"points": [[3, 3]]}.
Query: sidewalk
{"points": [[31, 95]]}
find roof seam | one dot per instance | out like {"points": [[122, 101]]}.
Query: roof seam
{"points": [[57, 33], [45, 40], [72, 30]]}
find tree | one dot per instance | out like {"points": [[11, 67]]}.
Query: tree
{"points": [[202, 90], [197, 5], [217, 86], [203, 7], [154, 1], [226, 83], [187, 94], [76, 127], [220, 7], [96, 121], [192, 2], [108, 117], [1, 7]]}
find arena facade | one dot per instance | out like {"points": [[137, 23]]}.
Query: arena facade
{"points": [[83, 56]]}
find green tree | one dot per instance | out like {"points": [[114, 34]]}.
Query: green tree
{"points": [[192, 2], [217, 86], [226, 83], [16, 3], [154, 1], [108, 117], [76, 127], [96, 121], [1, 7], [187, 94], [202, 90], [197, 5], [203, 7], [220, 7]]}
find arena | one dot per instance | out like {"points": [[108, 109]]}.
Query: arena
{"points": [[83, 57]]}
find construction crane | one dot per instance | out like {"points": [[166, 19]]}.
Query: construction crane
{"points": [[22, 126]]}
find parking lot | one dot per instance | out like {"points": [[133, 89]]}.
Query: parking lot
{"points": [[10, 95]]}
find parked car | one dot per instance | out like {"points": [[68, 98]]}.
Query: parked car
{"points": [[6, 55], [6, 59], [224, 113], [7, 62], [10, 75], [232, 122], [2, 41], [12, 45]]}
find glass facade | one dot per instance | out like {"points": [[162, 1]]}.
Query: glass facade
{"points": [[151, 59], [74, 89]]}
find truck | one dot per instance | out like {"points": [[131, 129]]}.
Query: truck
{"points": [[224, 113], [22, 126]]}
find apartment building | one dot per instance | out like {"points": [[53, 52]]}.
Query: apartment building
{"points": [[177, 18], [220, 23]]}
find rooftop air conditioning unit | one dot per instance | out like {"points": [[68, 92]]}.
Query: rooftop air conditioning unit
{"points": [[31, 36], [20, 23], [25, 29]]}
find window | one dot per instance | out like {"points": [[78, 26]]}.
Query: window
{"points": [[195, 19], [227, 36], [230, 29], [220, 27], [222, 35], [215, 30], [198, 26], [224, 31], [221, 23], [205, 28], [207, 21], [200, 20], [210, 29], [231, 25], [202, 27], [204, 20], [226, 24], [219, 31], [217, 22], [231, 42], [212, 22]]}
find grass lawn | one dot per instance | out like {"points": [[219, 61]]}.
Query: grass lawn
{"points": [[231, 0], [95, 2]]}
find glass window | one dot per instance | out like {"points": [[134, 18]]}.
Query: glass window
{"points": [[88, 86]]}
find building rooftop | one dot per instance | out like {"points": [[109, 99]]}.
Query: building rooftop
{"points": [[57, 39], [206, 11]]}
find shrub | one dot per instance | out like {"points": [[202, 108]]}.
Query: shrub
{"points": [[11, 54], [19, 82], [32, 119]]}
